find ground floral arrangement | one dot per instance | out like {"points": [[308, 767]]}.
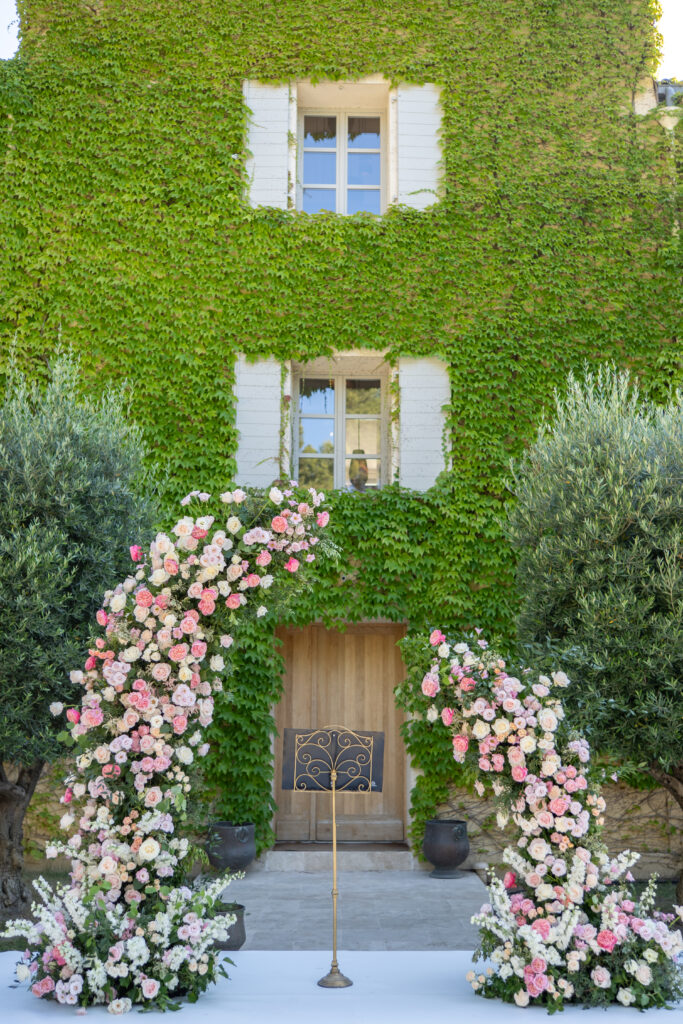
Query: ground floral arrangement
{"points": [[130, 928], [563, 924]]}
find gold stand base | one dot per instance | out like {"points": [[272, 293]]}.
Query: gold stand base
{"points": [[335, 979]]}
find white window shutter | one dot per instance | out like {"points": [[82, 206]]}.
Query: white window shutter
{"points": [[268, 143], [259, 405], [424, 391], [419, 150]]}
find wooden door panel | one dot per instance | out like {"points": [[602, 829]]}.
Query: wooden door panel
{"points": [[347, 679]]}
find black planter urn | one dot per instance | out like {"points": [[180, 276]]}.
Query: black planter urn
{"points": [[237, 934], [446, 846], [230, 846]]}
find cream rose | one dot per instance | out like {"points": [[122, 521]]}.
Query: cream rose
{"points": [[480, 729], [149, 849]]}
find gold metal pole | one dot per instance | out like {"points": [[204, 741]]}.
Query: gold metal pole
{"points": [[335, 979]]}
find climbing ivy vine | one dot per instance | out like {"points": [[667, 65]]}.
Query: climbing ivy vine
{"points": [[125, 227]]}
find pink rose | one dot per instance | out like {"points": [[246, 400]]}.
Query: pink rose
{"points": [[292, 565], [206, 606], [90, 663], [233, 601], [447, 716], [73, 715], [161, 671], [179, 724], [253, 579], [606, 940], [509, 879], [278, 524], [322, 518], [144, 598], [264, 558], [430, 686], [68, 796], [519, 772], [436, 637], [198, 649], [171, 566], [92, 717], [188, 624], [102, 617], [195, 590], [538, 965], [460, 743], [178, 652], [559, 805], [542, 927], [135, 552], [150, 987]]}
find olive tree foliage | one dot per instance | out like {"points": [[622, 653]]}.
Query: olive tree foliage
{"points": [[74, 494], [598, 529]]}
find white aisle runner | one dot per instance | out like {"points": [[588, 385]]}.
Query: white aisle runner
{"points": [[396, 987]]}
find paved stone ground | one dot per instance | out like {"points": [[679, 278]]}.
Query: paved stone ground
{"points": [[376, 910]]}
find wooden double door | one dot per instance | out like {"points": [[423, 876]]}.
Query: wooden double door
{"points": [[347, 679]]}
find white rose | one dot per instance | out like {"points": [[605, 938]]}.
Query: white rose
{"points": [[544, 891], [521, 997], [158, 577], [560, 679], [443, 650], [130, 654], [266, 581], [119, 1005], [128, 584], [223, 588], [547, 720], [538, 849], [184, 674], [261, 611], [432, 713], [66, 821], [469, 659], [107, 865], [651, 955], [76, 677], [501, 727], [625, 996], [184, 755], [226, 497], [205, 523], [275, 495], [118, 602], [460, 648], [170, 621], [480, 729], [22, 971], [234, 525], [643, 974], [56, 708], [109, 693], [149, 849], [527, 744], [140, 613], [217, 664], [184, 527], [238, 495]]}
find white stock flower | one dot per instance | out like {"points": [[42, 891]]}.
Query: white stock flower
{"points": [[118, 1006]]}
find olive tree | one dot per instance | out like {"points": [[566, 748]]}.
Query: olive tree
{"points": [[598, 529], [72, 499]]}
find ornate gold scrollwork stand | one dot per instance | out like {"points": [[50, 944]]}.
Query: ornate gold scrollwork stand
{"points": [[334, 759]]}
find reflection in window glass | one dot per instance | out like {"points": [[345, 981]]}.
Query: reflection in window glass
{"points": [[364, 133], [362, 436], [318, 199], [320, 131], [363, 200], [363, 168], [316, 396], [362, 474], [364, 397], [321, 168], [316, 435], [318, 473]]}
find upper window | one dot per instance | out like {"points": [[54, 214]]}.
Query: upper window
{"points": [[340, 430], [341, 162]]}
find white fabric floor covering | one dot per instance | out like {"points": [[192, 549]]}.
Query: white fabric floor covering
{"points": [[393, 986]]}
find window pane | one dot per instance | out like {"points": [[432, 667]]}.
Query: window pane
{"points": [[318, 199], [316, 436], [363, 396], [362, 474], [363, 168], [318, 473], [316, 396], [321, 168], [362, 437], [363, 133], [363, 200], [320, 130]]}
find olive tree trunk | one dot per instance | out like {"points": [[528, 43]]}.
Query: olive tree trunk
{"points": [[672, 782], [15, 895]]}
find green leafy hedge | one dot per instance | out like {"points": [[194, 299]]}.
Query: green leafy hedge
{"points": [[124, 225]]}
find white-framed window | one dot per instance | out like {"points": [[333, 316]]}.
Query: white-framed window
{"points": [[340, 429], [342, 161]]}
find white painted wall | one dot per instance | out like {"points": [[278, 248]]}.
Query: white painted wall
{"points": [[258, 397], [419, 149], [424, 389], [268, 143]]}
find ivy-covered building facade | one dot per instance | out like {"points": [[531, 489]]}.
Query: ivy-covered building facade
{"points": [[358, 244]]}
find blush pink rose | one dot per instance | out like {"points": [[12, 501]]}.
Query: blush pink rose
{"points": [[198, 649], [206, 606], [188, 624], [519, 772], [430, 686], [233, 601], [171, 566], [178, 652], [559, 805], [92, 717], [150, 987], [436, 637], [264, 558], [194, 590], [161, 671], [144, 598], [179, 724], [542, 927], [253, 579], [461, 743], [278, 524], [322, 518], [606, 940]]}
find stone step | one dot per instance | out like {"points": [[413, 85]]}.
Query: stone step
{"points": [[365, 857]]}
